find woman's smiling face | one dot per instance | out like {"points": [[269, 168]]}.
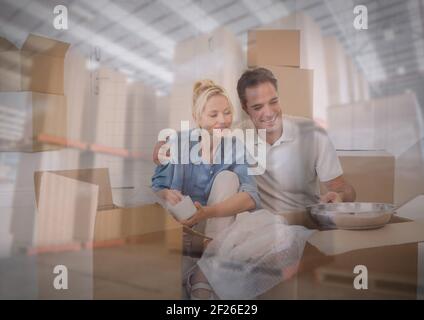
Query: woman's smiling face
{"points": [[217, 114]]}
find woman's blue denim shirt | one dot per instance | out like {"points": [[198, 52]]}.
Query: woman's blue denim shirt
{"points": [[195, 178]]}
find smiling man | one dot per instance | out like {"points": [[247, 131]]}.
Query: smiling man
{"points": [[299, 153]]}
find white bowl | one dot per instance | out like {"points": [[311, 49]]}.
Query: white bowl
{"points": [[351, 215]]}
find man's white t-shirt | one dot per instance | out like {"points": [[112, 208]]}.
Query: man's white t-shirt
{"points": [[295, 163]]}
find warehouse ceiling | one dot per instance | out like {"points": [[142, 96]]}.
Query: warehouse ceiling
{"points": [[139, 36]]}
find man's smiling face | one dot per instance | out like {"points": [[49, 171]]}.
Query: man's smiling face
{"points": [[263, 107]]}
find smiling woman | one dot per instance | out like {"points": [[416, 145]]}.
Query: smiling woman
{"points": [[213, 112], [212, 108], [220, 189]]}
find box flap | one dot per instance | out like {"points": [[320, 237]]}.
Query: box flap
{"points": [[6, 45], [98, 176], [363, 153], [333, 242], [371, 173], [66, 210], [38, 44]]}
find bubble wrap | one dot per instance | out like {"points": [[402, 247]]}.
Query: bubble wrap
{"points": [[252, 255]]}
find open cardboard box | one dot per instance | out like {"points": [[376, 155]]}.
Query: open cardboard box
{"points": [[38, 66], [330, 256], [31, 94], [129, 246], [371, 173], [107, 222]]}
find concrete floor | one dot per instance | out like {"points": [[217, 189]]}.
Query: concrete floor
{"points": [[131, 271], [148, 270]]}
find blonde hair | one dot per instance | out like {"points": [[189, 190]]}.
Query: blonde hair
{"points": [[203, 90]]}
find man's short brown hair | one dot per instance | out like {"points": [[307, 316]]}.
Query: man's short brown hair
{"points": [[252, 78]]}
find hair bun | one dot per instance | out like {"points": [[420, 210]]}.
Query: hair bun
{"points": [[202, 91], [201, 86]]}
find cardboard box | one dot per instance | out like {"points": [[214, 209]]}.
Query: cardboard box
{"points": [[311, 51], [78, 88], [130, 121], [37, 67], [24, 116], [129, 246], [217, 56], [378, 176], [311, 55], [108, 221], [326, 268], [393, 124], [65, 211], [273, 47], [295, 88], [371, 173]]}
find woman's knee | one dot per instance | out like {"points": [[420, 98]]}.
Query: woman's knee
{"points": [[226, 184]]}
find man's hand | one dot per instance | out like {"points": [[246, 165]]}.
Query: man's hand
{"points": [[201, 214], [345, 192], [331, 197], [171, 196]]}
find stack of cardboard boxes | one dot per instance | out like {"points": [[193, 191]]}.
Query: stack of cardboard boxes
{"points": [[279, 51], [32, 103], [312, 56], [125, 117], [31, 93], [336, 78], [217, 56], [114, 117]]}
